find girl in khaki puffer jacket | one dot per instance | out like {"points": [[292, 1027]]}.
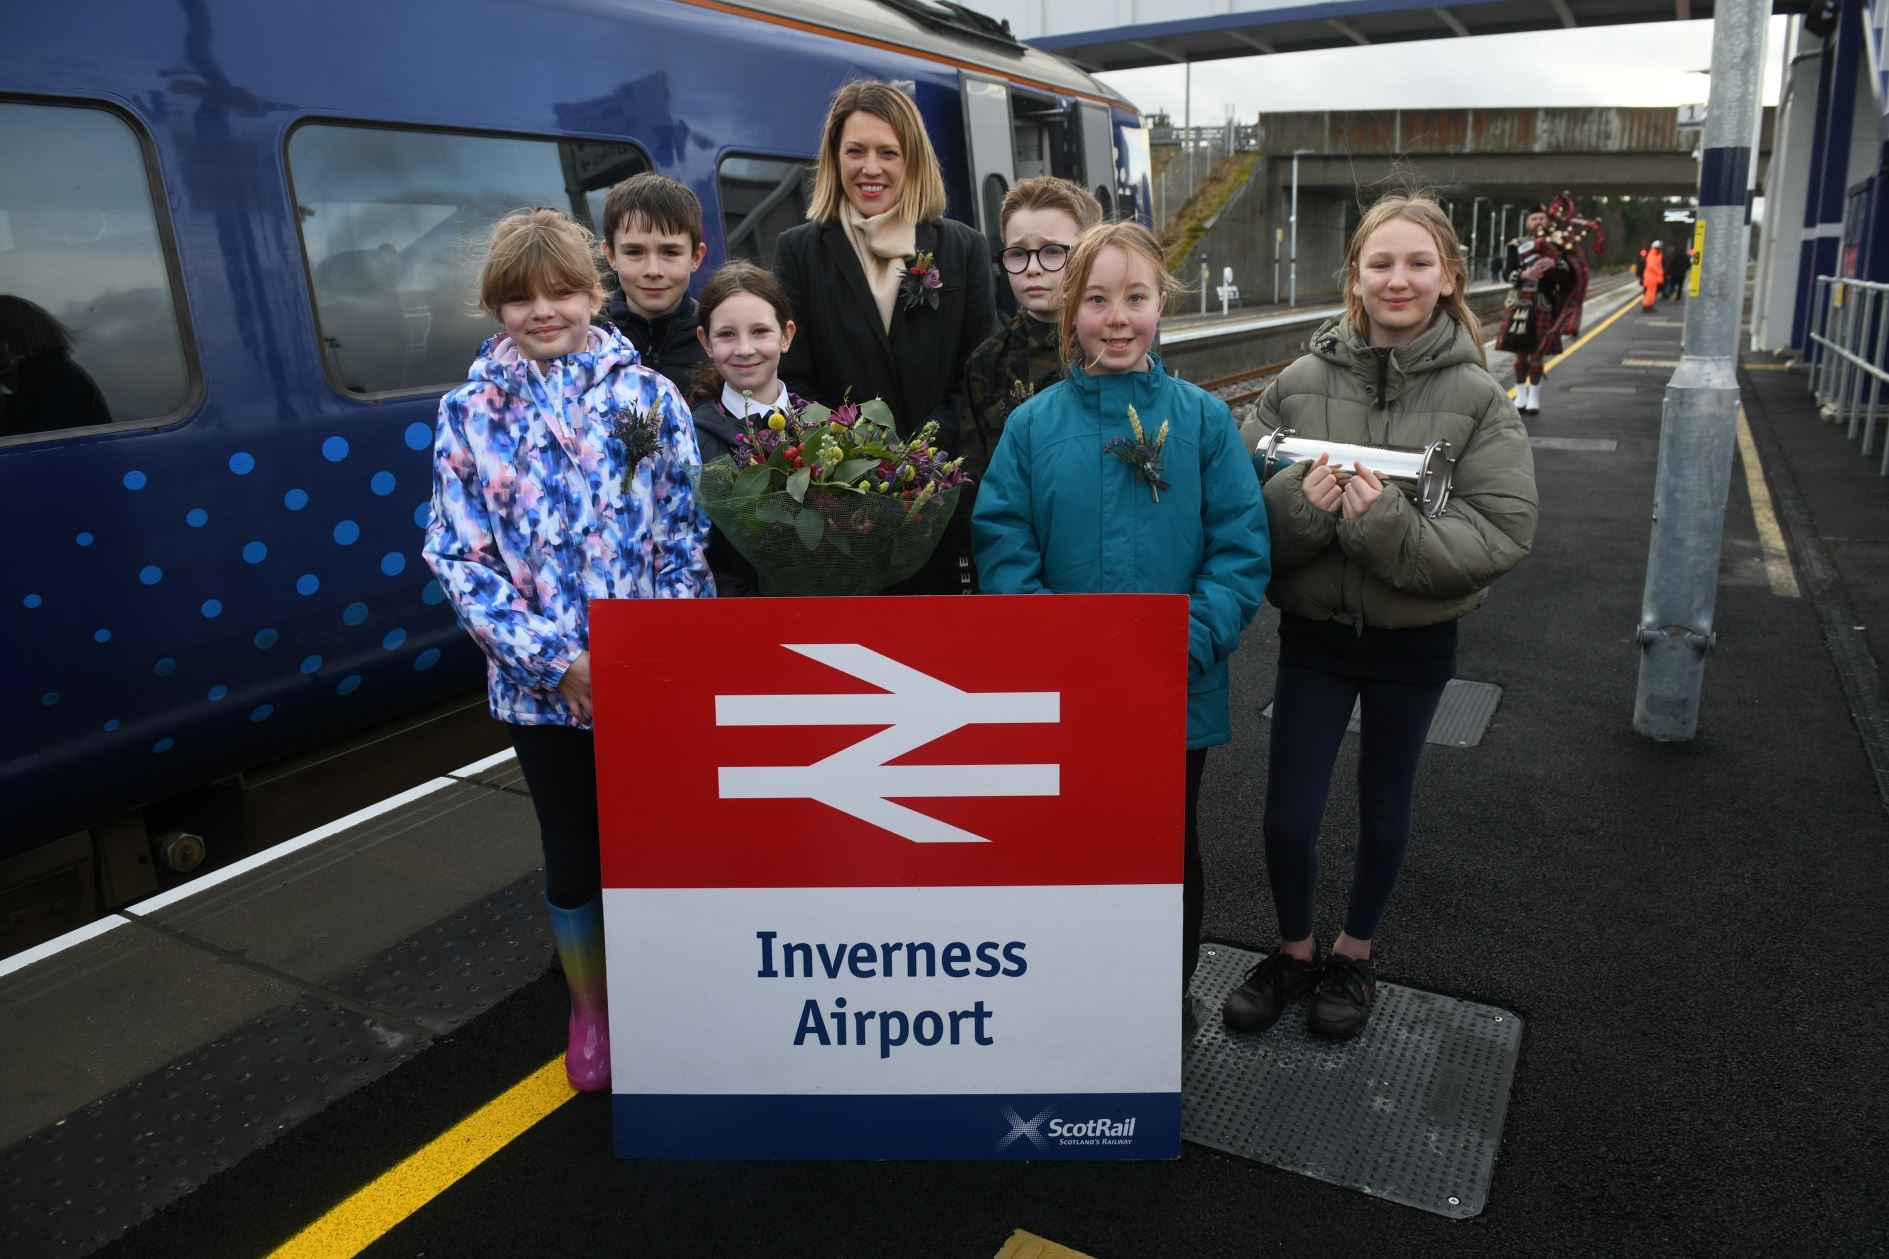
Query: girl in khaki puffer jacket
{"points": [[1369, 589]]}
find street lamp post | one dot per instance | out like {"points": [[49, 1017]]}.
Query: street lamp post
{"points": [[1475, 238], [1503, 235], [1292, 249]]}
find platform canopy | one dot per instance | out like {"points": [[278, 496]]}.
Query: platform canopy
{"points": [[1129, 34]]}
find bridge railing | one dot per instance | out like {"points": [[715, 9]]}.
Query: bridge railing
{"points": [[1850, 329]]}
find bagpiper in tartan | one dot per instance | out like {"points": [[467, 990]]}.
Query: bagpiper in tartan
{"points": [[1547, 267]]}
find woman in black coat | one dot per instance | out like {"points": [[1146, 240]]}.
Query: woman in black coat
{"points": [[870, 322]]}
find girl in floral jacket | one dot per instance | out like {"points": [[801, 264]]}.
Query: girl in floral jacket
{"points": [[559, 476]]}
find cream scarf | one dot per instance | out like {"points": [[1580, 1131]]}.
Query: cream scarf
{"points": [[883, 243]]}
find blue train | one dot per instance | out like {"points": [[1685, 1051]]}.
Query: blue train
{"points": [[260, 222]]}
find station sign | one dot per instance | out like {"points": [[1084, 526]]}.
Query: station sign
{"points": [[895, 877]]}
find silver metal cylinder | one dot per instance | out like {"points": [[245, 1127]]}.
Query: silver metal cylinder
{"points": [[1425, 469]]}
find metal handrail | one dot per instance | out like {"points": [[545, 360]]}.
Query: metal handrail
{"points": [[1845, 315]]}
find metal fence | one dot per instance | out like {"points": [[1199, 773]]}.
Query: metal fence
{"points": [[1850, 327]]}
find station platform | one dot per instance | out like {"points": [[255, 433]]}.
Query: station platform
{"points": [[1681, 929]]}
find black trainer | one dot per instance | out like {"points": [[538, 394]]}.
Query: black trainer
{"points": [[1269, 987], [1344, 997]]}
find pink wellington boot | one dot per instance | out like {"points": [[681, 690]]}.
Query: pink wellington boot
{"points": [[579, 936]]}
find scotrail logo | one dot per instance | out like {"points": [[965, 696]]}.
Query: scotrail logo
{"points": [[1062, 1133]]}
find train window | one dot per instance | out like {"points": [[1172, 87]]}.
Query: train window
{"points": [[761, 197], [393, 224], [89, 322]]}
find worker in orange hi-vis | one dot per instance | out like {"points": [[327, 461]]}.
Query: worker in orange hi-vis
{"points": [[1652, 274]]}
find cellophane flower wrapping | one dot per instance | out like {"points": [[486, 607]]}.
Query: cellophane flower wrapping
{"points": [[832, 501]]}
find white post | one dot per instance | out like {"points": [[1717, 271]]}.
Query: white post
{"points": [[1502, 237], [1292, 252], [1475, 222], [1187, 128]]}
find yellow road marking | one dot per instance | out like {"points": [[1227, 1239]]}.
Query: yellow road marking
{"points": [[375, 1208], [1585, 337], [1649, 362], [1024, 1245], [1778, 572], [1766, 367]]}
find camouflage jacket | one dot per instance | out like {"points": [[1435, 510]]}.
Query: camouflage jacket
{"points": [[999, 375]]}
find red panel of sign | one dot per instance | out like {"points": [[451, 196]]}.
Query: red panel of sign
{"points": [[891, 742]]}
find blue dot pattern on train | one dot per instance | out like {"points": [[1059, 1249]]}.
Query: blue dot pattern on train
{"points": [[169, 536]]}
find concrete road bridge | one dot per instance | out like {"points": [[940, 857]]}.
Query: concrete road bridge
{"points": [[1480, 160]]}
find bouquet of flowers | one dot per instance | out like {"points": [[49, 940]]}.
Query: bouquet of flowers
{"points": [[831, 501]]}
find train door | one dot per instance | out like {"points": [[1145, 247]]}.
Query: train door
{"points": [[1095, 134], [991, 160]]}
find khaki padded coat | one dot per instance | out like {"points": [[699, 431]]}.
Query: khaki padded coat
{"points": [[1392, 568]]}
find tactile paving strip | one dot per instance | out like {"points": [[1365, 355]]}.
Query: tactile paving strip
{"points": [[461, 966], [1461, 717], [77, 1184], [1410, 1111]]}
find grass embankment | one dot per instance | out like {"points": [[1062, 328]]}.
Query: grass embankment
{"points": [[1185, 228]]}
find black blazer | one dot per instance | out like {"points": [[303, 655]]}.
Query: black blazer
{"points": [[918, 368]]}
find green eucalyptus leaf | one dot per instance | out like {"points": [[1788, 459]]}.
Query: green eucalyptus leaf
{"points": [[750, 482], [853, 469], [797, 485], [811, 528], [877, 411]]}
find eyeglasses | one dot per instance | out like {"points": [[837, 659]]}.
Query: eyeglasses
{"points": [[1016, 259]]}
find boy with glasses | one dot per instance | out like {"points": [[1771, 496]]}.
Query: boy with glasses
{"points": [[1039, 222]]}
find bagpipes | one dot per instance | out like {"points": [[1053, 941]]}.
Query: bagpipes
{"points": [[1566, 216]]}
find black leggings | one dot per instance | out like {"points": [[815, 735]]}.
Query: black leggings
{"points": [[560, 767], [1309, 715]]}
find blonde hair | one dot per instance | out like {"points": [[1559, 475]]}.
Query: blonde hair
{"points": [[923, 194], [1047, 192], [1126, 235], [540, 250], [1427, 214]]}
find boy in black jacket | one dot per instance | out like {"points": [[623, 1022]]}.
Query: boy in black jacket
{"points": [[653, 241]]}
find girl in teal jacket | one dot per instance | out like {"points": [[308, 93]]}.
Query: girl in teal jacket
{"points": [[1121, 479]]}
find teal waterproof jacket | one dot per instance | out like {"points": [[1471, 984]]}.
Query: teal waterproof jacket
{"points": [[1056, 512]]}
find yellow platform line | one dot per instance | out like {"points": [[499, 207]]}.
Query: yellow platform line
{"points": [[1778, 573], [374, 1209], [1585, 337], [1024, 1245], [1649, 362]]}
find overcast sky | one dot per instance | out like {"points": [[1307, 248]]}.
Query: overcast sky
{"points": [[1641, 64]]}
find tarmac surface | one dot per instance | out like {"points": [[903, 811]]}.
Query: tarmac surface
{"points": [[1682, 927]]}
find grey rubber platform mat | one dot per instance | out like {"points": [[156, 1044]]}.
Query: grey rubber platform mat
{"points": [[1410, 1111], [133, 1152], [1461, 717], [1602, 445]]}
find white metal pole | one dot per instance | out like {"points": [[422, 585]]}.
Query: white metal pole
{"points": [[1187, 125], [1475, 222], [1292, 250]]}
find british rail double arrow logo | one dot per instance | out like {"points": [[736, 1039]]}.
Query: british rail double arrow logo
{"points": [[916, 708]]}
